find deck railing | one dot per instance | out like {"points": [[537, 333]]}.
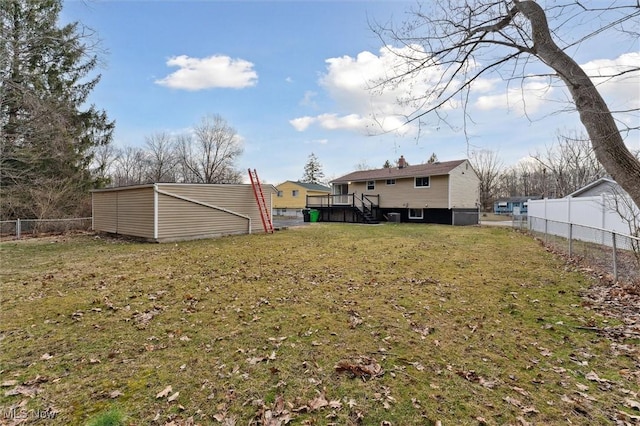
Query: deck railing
{"points": [[361, 201]]}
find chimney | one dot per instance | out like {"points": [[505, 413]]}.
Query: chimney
{"points": [[402, 163]]}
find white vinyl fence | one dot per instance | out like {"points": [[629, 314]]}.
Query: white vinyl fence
{"points": [[591, 212], [591, 228]]}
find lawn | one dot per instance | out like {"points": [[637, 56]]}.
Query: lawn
{"points": [[317, 325]]}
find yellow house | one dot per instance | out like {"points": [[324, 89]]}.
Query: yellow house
{"points": [[292, 197]]}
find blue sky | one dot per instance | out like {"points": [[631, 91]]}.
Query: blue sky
{"points": [[289, 77]]}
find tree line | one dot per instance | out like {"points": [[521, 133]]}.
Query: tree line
{"points": [[562, 168], [207, 154], [55, 146]]}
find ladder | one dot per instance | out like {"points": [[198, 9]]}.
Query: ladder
{"points": [[262, 205]]}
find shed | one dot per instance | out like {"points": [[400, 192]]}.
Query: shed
{"points": [[178, 211]]}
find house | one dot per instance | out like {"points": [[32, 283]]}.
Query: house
{"points": [[601, 186], [175, 211], [513, 205], [292, 196], [440, 192]]}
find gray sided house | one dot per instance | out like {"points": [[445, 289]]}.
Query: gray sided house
{"points": [[441, 192], [173, 211]]}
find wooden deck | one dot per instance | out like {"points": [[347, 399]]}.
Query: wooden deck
{"points": [[351, 208]]}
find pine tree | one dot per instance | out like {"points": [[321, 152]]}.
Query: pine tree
{"points": [[432, 159], [313, 170], [387, 165], [47, 133]]}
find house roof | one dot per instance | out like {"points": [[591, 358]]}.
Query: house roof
{"points": [[311, 186], [429, 169], [517, 199], [604, 180]]}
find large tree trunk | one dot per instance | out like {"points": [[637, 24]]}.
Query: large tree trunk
{"points": [[605, 137]]}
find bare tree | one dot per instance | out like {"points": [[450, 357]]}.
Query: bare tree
{"points": [[130, 167], [162, 157], [103, 159], [570, 164], [209, 155], [488, 166], [462, 40]]}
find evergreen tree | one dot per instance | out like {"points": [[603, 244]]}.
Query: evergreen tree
{"points": [[47, 133], [387, 165], [432, 159], [313, 170]]}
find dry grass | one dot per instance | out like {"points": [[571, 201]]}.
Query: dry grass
{"points": [[428, 323]]}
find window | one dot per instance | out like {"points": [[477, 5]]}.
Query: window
{"points": [[422, 182], [295, 192], [416, 214], [391, 181], [371, 185], [280, 194]]}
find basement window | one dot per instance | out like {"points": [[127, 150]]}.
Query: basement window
{"points": [[416, 214]]}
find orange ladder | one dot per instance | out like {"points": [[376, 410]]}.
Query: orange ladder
{"points": [[262, 205]]}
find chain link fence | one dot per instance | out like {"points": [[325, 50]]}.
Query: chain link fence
{"points": [[16, 229], [603, 250]]}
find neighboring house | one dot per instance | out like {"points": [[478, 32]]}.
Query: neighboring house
{"points": [[291, 197], [178, 211], [513, 205], [601, 186], [441, 192]]}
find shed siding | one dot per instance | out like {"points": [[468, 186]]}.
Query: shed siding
{"points": [[237, 198], [127, 212], [104, 206], [182, 219], [404, 194], [135, 212], [465, 187], [130, 211]]}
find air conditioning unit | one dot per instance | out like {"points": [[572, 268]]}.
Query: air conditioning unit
{"points": [[394, 217]]}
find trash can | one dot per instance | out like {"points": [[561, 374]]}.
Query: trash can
{"points": [[305, 215], [314, 215], [394, 217]]}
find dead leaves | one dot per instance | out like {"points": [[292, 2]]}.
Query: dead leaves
{"points": [[473, 377], [142, 319], [363, 367], [29, 388]]}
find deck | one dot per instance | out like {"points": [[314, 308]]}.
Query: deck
{"points": [[351, 208]]}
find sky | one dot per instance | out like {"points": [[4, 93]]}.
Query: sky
{"points": [[293, 77]]}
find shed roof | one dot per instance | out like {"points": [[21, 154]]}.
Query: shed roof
{"points": [[165, 184], [429, 169]]}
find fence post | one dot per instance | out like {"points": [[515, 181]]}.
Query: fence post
{"points": [[546, 222], [18, 229], [570, 240], [615, 260]]}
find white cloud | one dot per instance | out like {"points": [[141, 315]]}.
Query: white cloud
{"points": [[618, 86], [620, 91], [302, 123], [528, 98], [208, 73]]}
